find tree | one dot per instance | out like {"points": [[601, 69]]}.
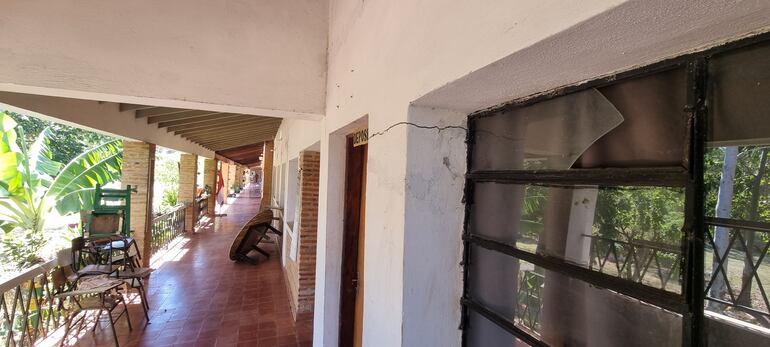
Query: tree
{"points": [[32, 183], [65, 142], [723, 209]]}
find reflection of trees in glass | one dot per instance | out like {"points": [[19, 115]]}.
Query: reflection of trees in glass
{"points": [[742, 196], [633, 214]]}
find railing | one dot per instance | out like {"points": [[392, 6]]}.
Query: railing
{"points": [[737, 277], [529, 299], [28, 309], [166, 227], [203, 207], [652, 263]]}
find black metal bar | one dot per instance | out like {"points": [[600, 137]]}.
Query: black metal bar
{"points": [[663, 65], [468, 200], [762, 227], [506, 324], [667, 300], [694, 226], [664, 176], [738, 306]]}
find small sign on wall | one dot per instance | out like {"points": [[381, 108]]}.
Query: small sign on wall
{"points": [[360, 137]]}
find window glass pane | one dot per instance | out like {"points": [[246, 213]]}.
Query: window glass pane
{"points": [[739, 99], [483, 332], [738, 275], [629, 232], [563, 311], [737, 182], [633, 123]]}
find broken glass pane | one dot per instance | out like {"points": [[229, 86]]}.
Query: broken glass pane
{"points": [[633, 233]]}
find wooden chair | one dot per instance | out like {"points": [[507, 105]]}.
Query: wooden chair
{"points": [[250, 235]]}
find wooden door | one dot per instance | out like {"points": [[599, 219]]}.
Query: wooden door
{"points": [[351, 300]]}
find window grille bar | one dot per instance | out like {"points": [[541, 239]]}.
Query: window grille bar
{"points": [[661, 298], [506, 324], [762, 227], [659, 177]]}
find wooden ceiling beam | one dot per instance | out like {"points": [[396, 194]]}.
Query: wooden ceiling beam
{"points": [[224, 132], [242, 126], [210, 125], [225, 144], [181, 115], [158, 111], [241, 155], [213, 118], [132, 107], [230, 133], [245, 149]]}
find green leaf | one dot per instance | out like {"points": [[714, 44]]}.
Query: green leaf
{"points": [[40, 155]]}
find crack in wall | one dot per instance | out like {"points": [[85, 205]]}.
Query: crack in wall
{"points": [[437, 127]]}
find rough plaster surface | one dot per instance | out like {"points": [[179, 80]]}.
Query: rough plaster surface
{"points": [[384, 56], [633, 34], [435, 175], [262, 57]]}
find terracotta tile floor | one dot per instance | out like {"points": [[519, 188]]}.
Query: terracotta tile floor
{"points": [[198, 297]]}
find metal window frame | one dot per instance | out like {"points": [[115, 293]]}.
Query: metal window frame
{"points": [[690, 176]]}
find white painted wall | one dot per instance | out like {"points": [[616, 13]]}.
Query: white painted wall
{"points": [[460, 56], [260, 57], [388, 62]]}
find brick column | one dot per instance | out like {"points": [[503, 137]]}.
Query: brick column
{"points": [[209, 179], [267, 173], [309, 164], [225, 167], [239, 175], [138, 170], [234, 175], [188, 170]]}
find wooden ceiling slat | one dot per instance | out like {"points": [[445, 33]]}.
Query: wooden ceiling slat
{"points": [[230, 133], [214, 118], [230, 127], [246, 148], [224, 132], [244, 155], [178, 116], [210, 125], [224, 144], [158, 111], [132, 107]]}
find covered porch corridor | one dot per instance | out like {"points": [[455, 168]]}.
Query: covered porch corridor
{"points": [[199, 297]]}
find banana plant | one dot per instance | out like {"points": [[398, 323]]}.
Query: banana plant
{"points": [[32, 184]]}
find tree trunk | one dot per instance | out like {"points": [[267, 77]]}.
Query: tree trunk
{"points": [[744, 297], [723, 210]]}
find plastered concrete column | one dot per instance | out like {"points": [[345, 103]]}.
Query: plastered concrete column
{"points": [[138, 170], [188, 169], [210, 179]]}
